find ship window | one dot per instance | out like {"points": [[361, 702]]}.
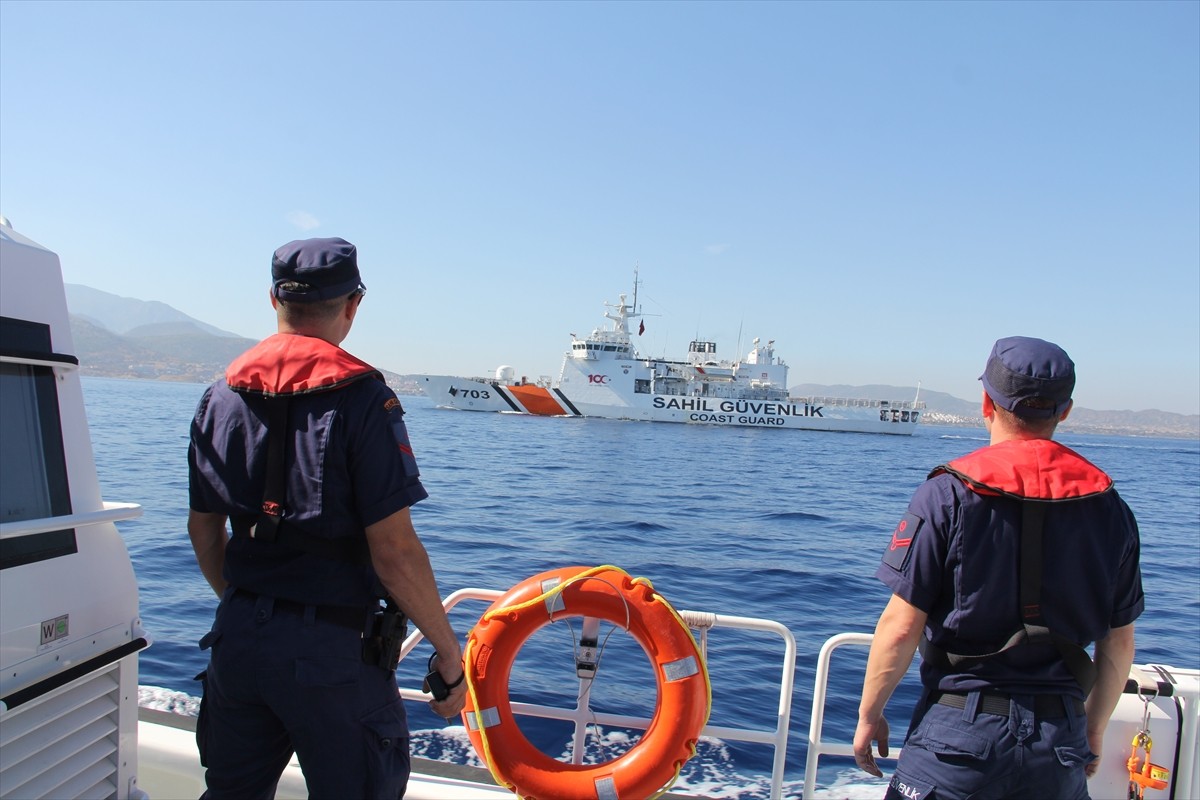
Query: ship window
{"points": [[35, 471], [641, 386]]}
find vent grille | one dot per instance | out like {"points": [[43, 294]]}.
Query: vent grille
{"points": [[64, 744]]}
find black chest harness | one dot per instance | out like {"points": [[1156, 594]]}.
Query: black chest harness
{"points": [[1033, 625], [269, 524]]}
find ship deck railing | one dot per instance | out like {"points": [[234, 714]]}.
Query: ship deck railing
{"points": [[857, 402], [701, 623]]}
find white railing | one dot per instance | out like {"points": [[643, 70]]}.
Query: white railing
{"points": [[701, 621], [816, 747], [112, 512], [57, 364], [1178, 710]]}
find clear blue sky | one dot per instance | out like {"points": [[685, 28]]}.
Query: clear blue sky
{"points": [[882, 188]]}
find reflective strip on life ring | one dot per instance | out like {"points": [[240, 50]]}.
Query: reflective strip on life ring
{"points": [[607, 593]]}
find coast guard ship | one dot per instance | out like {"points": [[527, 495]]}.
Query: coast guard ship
{"points": [[604, 376]]}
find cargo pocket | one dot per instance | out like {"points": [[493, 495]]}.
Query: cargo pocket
{"points": [[206, 642], [202, 719], [951, 745], [1072, 757], [388, 764]]}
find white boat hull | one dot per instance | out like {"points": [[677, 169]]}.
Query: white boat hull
{"points": [[583, 398]]}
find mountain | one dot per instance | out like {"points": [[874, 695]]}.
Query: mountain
{"points": [[197, 357], [120, 337], [125, 315]]}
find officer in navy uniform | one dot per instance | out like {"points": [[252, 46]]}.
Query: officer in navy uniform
{"points": [[1008, 563], [303, 450]]}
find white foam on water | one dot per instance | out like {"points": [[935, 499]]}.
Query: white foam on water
{"points": [[168, 700]]}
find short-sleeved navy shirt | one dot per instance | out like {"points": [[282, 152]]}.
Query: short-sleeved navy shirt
{"points": [[955, 556], [350, 465]]}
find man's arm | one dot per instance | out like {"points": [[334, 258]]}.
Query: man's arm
{"points": [[207, 532], [403, 566], [897, 634], [1114, 657]]}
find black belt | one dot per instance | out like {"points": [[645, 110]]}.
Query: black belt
{"points": [[1046, 706], [345, 616]]}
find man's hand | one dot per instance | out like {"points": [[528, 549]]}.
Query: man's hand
{"points": [[863, 737], [1114, 657], [452, 704], [1095, 740], [896, 635]]}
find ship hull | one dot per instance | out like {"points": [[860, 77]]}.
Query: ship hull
{"points": [[585, 395]]}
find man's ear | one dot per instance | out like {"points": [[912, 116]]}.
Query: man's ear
{"points": [[989, 407], [1065, 414]]}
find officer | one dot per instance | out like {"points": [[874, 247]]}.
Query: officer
{"points": [[1005, 710], [302, 448]]}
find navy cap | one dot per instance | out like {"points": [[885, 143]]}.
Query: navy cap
{"points": [[1021, 368], [328, 267]]}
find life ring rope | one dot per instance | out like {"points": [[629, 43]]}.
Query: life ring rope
{"points": [[484, 717], [480, 722], [561, 587]]}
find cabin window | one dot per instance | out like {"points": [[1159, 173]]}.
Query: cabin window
{"points": [[641, 386], [35, 471]]}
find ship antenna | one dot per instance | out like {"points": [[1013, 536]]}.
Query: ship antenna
{"points": [[635, 289]]}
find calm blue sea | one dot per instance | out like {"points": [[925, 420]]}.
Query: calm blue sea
{"points": [[784, 525]]}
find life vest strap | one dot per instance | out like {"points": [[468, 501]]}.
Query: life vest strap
{"points": [[270, 525], [348, 549], [1033, 625]]}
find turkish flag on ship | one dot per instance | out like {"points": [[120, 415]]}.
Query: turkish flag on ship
{"points": [[641, 327]]}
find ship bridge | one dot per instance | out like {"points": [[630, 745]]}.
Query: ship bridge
{"points": [[614, 342]]}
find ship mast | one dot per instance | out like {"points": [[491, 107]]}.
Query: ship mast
{"points": [[635, 289]]}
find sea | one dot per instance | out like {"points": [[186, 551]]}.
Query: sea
{"points": [[770, 524]]}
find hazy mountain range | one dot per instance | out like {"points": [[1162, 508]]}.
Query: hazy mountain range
{"points": [[120, 337]]}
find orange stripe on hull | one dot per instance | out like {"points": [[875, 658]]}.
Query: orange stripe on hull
{"points": [[537, 400]]}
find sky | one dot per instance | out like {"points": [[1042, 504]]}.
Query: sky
{"points": [[884, 189]]}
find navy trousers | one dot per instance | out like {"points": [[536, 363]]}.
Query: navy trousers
{"points": [[966, 754], [283, 681]]}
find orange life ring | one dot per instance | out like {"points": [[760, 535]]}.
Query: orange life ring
{"points": [[607, 593]]}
